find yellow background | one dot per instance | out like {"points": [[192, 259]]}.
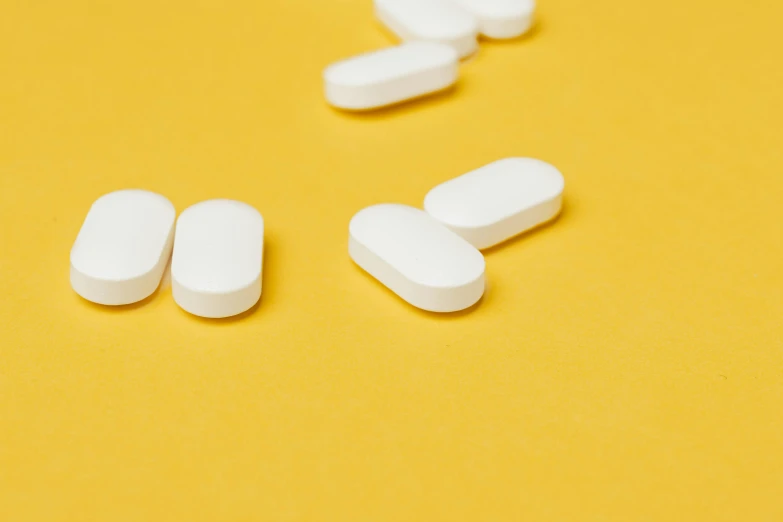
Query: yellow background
{"points": [[626, 363]]}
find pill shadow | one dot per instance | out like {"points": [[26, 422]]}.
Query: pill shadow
{"points": [[395, 40], [405, 106], [449, 316], [438, 316], [269, 263], [564, 215], [165, 284], [118, 309], [227, 320], [534, 32]]}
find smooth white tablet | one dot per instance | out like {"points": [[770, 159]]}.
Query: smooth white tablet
{"points": [[123, 247], [417, 258], [498, 201], [391, 75], [501, 19], [217, 260], [440, 21]]}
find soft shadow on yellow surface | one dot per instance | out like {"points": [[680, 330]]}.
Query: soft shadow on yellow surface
{"points": [[159, 293], [379, 287], [563, 217], [226, 321], [400, 109], [536, 31]]}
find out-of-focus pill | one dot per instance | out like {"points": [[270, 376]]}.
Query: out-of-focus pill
{"points": [[217, 260], [501, 19], [123, 247], [440, 21], [498, 201], [391, 75], [417, 258]]}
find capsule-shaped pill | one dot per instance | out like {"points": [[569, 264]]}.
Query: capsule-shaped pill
{"points": [[498, 201], [391, 75], [501, 19], [440, 21], [218, 256], [417, 258], [122, 248]]}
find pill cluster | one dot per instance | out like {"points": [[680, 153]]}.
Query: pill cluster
{"points": [[430, 258], [128, 236], [435, 35]]}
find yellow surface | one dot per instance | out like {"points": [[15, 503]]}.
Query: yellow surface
{"points": [[625, 365]]}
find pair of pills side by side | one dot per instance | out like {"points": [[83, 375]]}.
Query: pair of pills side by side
{"points": [[456, 22], [128, 236], [440, 21], [501, 19], [431, 258]]}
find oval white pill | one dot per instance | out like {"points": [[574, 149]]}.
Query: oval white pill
{"points": [[498, 201], [391, 75], [501, 19], [431, 20], [123, 247], [417, 258], [217, 260]]}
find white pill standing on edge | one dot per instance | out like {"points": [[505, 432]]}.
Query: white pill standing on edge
{"points": [[392, 75], [498, 201], [501, 19], [440, 21], [218, 256], [417, 258], [123, 247]]}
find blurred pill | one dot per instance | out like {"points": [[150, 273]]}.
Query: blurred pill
{"points": [[501, 19], [390, 75], [441, 21]]}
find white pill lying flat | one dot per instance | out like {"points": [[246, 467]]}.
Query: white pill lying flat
{"points": [[391, 75], [123, 247], [417, 258], [440, 21], [498, 201], [217, 260], [501, 18]]}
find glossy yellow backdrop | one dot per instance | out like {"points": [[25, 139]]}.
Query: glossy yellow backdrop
{"points": [[626, 363]]}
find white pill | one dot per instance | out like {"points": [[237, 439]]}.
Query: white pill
{"points": [[123, 247], [391, 75], [498, 201], [501, 19], [440, 21], [417, 258], [217, 260]]}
